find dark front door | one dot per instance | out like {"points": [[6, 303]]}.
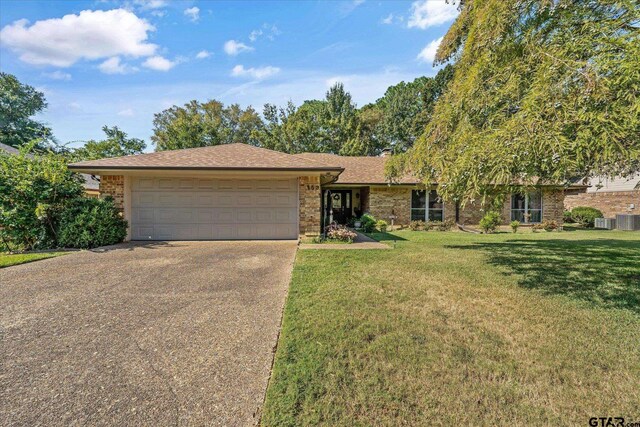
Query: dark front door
{"points": [[341, 205]]}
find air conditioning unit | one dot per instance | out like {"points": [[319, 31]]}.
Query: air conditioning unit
{"points": [[628, 222], [605, 223]]}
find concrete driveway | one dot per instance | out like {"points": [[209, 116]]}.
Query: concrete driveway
{"points": [[177, 333]]}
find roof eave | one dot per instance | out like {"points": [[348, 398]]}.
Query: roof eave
{"points": [[95, 168]]}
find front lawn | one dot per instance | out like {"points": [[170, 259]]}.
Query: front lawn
{"points": [[7, 260], [460, 329]]}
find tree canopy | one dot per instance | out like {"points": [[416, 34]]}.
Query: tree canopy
{"points": [[199, 124], [543, 91], [18, 103], [116, 144]]}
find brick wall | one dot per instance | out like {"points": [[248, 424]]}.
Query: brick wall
{"points": [[610, 203], [387, 201], [552, 204], [113, 185], [552, 208], [310, 197]]}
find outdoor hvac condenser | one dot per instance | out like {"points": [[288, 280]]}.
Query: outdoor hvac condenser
{"points": [[606, 223], [628, 222]]}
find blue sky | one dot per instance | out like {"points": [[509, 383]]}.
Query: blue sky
{"points": [[109, 62]]}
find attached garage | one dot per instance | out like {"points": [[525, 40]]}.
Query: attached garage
{"points": [[174, 208], [223, 192]]}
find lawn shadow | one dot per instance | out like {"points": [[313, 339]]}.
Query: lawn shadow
{"points": [[602, 272]]}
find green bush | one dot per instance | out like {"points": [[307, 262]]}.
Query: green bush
{"points": [[368, 223], [418, 225], [87, 223], [381, 225], [514, 226], [490, 221], [585, 216], [566, 216], [34, 191]]}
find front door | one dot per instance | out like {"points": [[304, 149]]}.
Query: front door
{"points": [[341, 206]]}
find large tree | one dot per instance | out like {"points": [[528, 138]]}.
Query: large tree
{"points": [[543, 91], [407, 108], [116, 144], [199, 124], [18, 104]]}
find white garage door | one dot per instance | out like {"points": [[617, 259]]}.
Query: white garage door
{"points": [[213, 209]]}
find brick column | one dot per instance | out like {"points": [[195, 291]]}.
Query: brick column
{"points": [[113, 185], [310, 196]]}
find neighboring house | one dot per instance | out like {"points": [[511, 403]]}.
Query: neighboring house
{"points": [[237, 191], [91, 184], [611, 196]]}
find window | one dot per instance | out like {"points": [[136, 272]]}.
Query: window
{"points": [[426, 206], [526, 208]]}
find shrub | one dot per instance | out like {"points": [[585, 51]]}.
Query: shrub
{"points": [[586, 216], [418, 225], [514, 226], [490, 221], [34, 190], [340, 232], [87, 223], [381, 225], [549, 225], [566, 216], [368, 223]]}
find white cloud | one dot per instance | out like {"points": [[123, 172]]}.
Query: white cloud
{"points": [[88, 35], [428, 13], [255, 34], [159, 63], [255, 73], [388, 20], [193, 13], [151, 4], [428, 54], [203, 54], [233, 48], [113, 66], [58, 75], [126, 112]]}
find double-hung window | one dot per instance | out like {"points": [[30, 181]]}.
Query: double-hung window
{"points": [[526, 208], [426, 206]]}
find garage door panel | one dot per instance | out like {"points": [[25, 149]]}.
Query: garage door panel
{"points": [[178, 208]]}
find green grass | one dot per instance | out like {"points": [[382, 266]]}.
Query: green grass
{"points": [[7, 260], [460, 329]]}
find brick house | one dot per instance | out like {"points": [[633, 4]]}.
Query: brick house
{"points": [[237, 191], [610, 196]]}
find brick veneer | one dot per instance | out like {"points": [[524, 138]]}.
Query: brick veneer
{"points": [[610, 203], [552, 204], [310, 196], [387, 201], [472, 213], [113, 185]]}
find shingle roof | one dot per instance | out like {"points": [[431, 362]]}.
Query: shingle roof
{"points": [[219, 157], [359, 169]]}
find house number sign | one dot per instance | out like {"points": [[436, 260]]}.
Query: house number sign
{"points": [[313, 187]]}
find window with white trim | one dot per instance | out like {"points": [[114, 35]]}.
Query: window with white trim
{"points": [[426, 206], [526, 208]]}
